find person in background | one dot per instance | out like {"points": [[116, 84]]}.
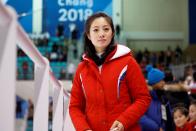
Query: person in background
{"points": [[180, 116], [71, 68], [109, 92], [192, 87], [178, 54], [25, 70], [175, 91], [118, 30], [188, 75], [192, 114], [158, 116], [60, 30]]}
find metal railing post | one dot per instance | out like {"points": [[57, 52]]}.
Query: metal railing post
{"points": [[7, 68], [40, 121], [67, 124], [57, 123]]}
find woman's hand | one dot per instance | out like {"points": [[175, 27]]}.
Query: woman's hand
{"points": [[117, 126]]}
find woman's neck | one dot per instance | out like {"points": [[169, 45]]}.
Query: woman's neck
{"points": [[99, 54]]}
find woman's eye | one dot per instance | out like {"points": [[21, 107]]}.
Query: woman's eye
{"points": [[106, 29], [95, 30]]}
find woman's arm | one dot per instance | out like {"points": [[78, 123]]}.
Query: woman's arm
{"points": [[77, 105], [138, 92]]}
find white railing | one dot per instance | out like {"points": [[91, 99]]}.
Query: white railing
{"points": [[12, 34]]}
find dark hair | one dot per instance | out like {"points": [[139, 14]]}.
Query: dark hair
{"points": [[182, 109], [169, 78], [193, 102], [89, 48]]}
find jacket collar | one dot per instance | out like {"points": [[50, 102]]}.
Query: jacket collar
{"points": [[119, 51]]}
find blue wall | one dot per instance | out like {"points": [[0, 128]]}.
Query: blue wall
{"points": [[23, 6], [192, 21]]}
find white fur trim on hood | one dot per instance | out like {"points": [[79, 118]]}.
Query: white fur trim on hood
{"points": [[121, 51]]}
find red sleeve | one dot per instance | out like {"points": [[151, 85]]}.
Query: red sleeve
{"points": [[139, 94], [77, 105]]}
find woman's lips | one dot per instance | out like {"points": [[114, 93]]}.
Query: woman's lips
{"points": [[102, 40]]}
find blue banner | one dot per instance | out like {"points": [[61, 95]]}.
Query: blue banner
{"points": [[24, 10], [71, 13]]}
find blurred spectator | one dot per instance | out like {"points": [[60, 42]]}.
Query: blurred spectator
{"points": [[161, 58], [118, 30], [176, 91], [71, 70], [180, 116], [53, 54], [178, 54], [18, 74], [62, 74], [139, 56], [169, 78], [64, 59], [168, 54], [18, 106], [25, 70], [188, 75], [158, 117], [74, 33], [74, 38], [192, 114], [143, 64], [192, 86], [75, 52], [54, 47], [30, 110], [147, 55], [21, 107], [60, 30], [153, 58], [60, 52], [45, 41]]}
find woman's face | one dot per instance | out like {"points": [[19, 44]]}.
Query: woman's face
{"points": [[192, 112], [100, 34], [179, 119]]}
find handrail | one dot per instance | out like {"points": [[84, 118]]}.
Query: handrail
{"points": [[7, 67], [28, 47], [17, 36], [56, 82]]}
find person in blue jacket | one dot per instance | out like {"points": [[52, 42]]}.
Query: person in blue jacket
{"points": [[158, 116]]}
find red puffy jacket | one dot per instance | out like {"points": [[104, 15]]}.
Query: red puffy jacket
{"points": [[115, 91]]}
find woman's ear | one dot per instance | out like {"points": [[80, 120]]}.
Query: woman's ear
{"points": [[88, 35], [113, 34]]}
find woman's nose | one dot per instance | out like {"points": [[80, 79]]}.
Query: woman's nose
{"points": [[101, 34]]}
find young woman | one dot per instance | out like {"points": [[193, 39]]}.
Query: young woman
{"points": [[180, 115], [192, 114], [109, 91]]}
